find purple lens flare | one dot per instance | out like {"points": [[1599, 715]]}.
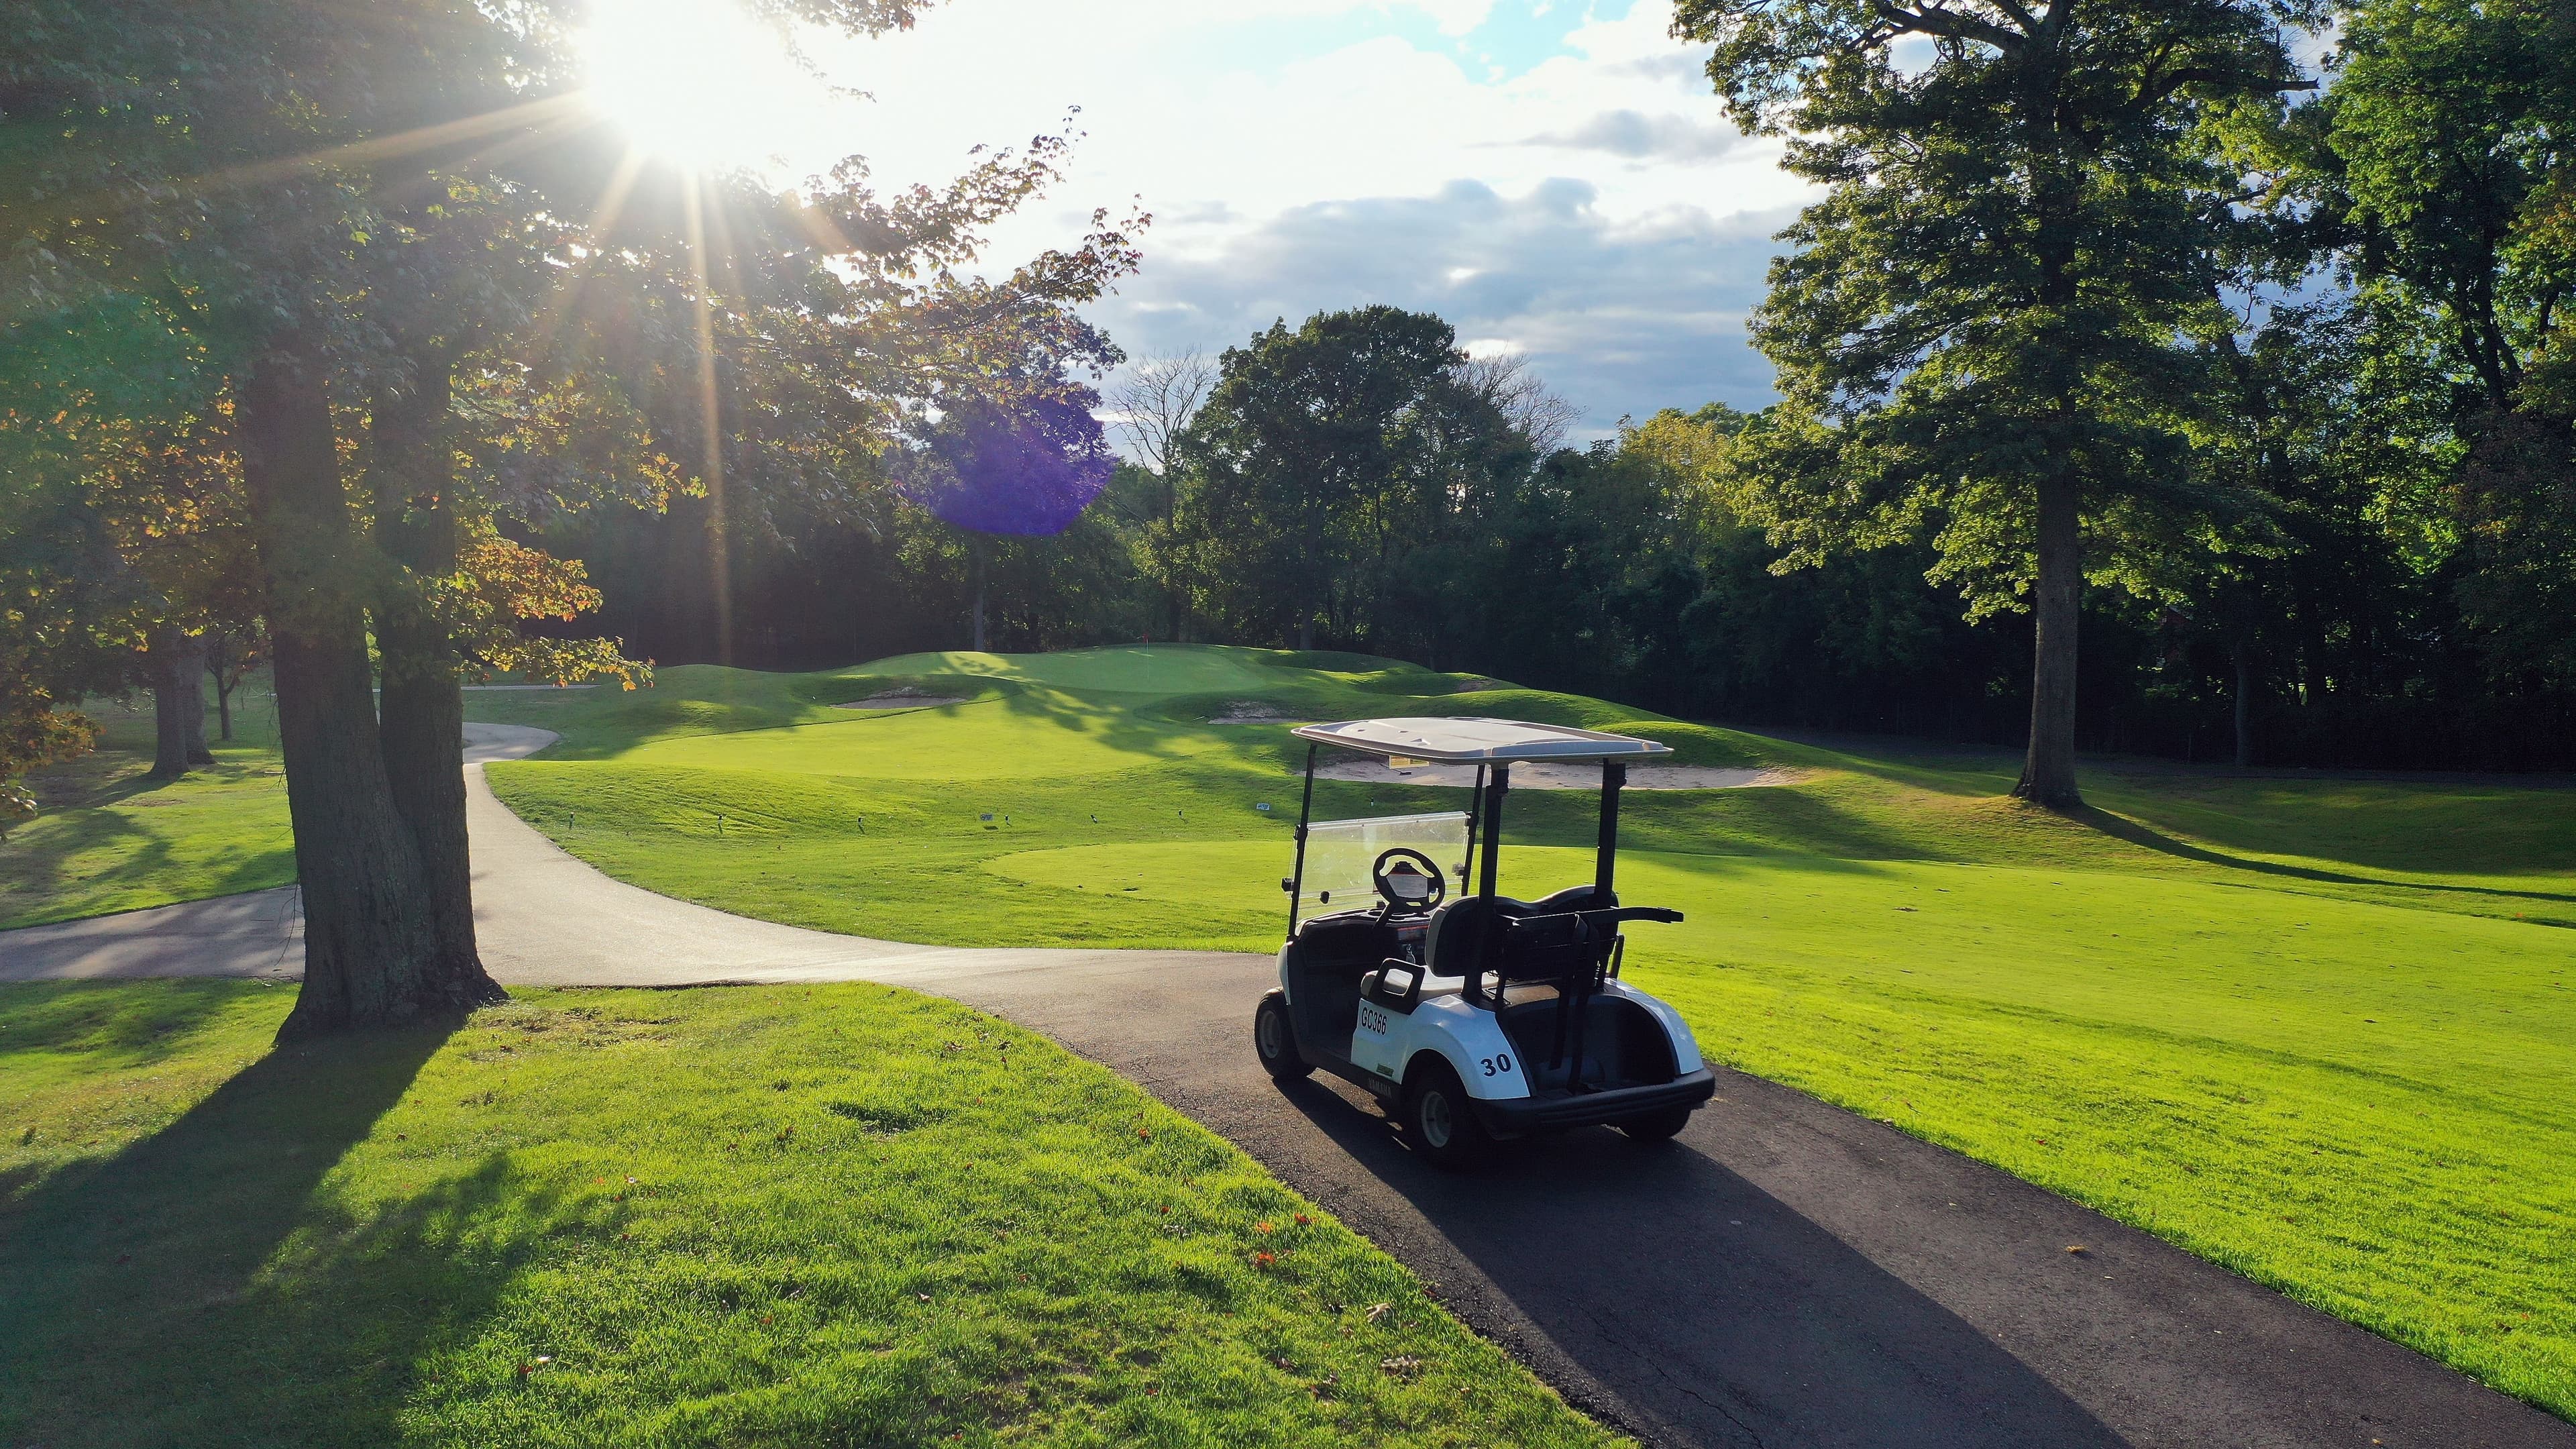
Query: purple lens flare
{"points": [[1026, 470]]}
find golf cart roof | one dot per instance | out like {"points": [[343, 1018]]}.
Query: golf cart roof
{"points": [[1476, 741]]}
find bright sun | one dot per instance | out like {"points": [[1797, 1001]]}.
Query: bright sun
{"points": [[702, 84]]}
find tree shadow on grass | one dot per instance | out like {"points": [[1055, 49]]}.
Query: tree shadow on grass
{"points": [[112, 1023], [1714, 1313], [209, 1285], [39, 871], [2120, 827]]}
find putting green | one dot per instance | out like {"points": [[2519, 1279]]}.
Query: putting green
{"points": [[2313, 1030]]}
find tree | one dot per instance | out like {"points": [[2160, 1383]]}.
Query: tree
{"points": [[357, 217], [1154, 402], [1310, 458], [1980, 332], [2444, 161], [1542, 418], [73, 610], [232, 652]]}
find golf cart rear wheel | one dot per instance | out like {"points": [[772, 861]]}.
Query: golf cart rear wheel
{"points": [[1657, 1126], [1439, 1119], [1275, 1039]]}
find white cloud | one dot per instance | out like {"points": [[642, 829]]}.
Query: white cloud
{"points": [[1594, 208], [1622, 317]]}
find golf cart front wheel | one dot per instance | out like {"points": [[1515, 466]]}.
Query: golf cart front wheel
{"points": [[1657, 1126], [1440, 1121], [1275, 1040]]}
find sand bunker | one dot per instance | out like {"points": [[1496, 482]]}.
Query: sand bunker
{"points": [[1248, 711], [1558, 776], [903, 699]]}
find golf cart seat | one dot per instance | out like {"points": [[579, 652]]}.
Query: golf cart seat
{"points": [[1451, 952], [1457, 931]]}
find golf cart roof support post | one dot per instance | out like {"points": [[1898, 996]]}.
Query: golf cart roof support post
{"points": [[1475, 813], [1305, 811], [1605, 860], [1489, 940]]}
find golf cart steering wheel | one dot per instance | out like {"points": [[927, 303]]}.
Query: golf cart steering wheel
{"points": [[1436, 883]]}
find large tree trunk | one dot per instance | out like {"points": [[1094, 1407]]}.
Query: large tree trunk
{"points": [[423, 730], [2048, 769], [369, 946], [175, 662], [192, 704]]}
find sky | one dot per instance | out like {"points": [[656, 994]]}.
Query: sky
{"points": [[1554, 177]]}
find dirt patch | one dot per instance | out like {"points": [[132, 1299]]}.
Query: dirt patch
{"points": [[1247, 711], [1561, 776], [903, 699], [1476, 683]]}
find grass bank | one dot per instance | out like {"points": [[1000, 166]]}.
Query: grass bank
{"points": [[739, 1217]]}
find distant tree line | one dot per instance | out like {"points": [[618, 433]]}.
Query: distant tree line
{"points": [[2114, 324]]}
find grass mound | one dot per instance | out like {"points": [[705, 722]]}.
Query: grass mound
{"points": [[740, 1217]]}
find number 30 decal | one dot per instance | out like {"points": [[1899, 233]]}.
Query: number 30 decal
{"points": [[1497, 1063]]}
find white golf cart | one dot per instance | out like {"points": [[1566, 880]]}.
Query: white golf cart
{"points": [[1475, 1016]]}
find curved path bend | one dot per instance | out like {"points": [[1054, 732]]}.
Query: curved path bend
{"points": [[1789, 1275]]}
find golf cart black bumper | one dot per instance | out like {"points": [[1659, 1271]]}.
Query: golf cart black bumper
{"points": [[1521, 1115]]}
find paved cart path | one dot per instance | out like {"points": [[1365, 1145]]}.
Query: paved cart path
{"points": [[1787, 1275]]}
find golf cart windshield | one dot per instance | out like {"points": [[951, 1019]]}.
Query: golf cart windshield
{"points": [[1340, 853]]}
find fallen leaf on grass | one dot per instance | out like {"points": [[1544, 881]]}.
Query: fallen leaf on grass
{"points": [[1264, 1260], [1303, 1220], [1377, 1311], [1402, 1366]]}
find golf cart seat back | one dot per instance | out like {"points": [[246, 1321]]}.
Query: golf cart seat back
{"points": [[1456, 946]]}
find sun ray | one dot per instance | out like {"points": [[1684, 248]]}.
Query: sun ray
{"points": [[572, 107], [819, 226], [711, 468], [566, 294], [554, 115], [726, 259]]}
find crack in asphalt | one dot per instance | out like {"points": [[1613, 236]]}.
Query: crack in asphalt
{"points": [[1656, 1362]]}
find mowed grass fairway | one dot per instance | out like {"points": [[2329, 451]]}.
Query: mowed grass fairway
{"points": [[737, 1217], [2318, 1031]]}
